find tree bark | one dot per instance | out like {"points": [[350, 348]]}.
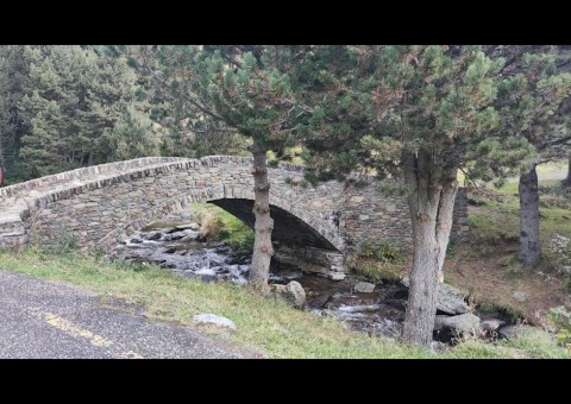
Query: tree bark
{"points": [[529, 246], [263, 250], [567, 181], [431, 197]]}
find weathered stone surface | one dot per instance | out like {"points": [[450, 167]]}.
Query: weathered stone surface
{"points": [[336, 276], [450, 300], [467, 323], [293, 293], [191, 226], [364, 287], [215, 320], [491, 325]]}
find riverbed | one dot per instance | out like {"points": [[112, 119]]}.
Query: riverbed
{"points": [[182, 250]]}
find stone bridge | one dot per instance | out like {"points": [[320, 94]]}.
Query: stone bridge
{"points": [[100, 206]]}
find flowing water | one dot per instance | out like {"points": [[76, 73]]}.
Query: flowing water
{"points": [[181, 250]]}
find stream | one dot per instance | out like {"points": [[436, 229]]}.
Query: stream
{"points": [[180, 249]]}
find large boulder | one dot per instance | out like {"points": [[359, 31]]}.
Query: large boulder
{"points": [[293, 293], [491, 325], [462, 324], [364, 287], [450, 300]]}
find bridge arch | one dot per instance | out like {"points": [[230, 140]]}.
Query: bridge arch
{"points": [[99, 207]]}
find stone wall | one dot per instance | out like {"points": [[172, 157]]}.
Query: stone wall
{"points": [[378, 213]]}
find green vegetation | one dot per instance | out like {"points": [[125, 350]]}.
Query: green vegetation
{"points": [[267, 325], [497, 219], [377, 261], [230, 229], [561, 318]]}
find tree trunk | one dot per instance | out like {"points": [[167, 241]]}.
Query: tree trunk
{"points": [[567, 181], [263, 250], [529, 246], [432, 193]]}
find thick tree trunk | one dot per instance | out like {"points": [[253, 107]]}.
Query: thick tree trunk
{"points": [[567, 181], [529, 246], [432, 193], [263, 250]]}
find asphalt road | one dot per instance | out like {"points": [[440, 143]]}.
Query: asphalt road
{"points": [[40, 319]]}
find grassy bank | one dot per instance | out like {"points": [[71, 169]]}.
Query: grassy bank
{"points": [[266, 325]]}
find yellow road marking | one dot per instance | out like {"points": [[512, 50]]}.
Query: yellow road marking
{"points": [[75, 331]]}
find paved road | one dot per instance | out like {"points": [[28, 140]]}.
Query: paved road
{"points": [[40, 319]]}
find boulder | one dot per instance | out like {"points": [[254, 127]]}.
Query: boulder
{"points": [[215, 320], [466, 323], [450, 300], [293, 293], [491, 324], [336, 276], [364, 287]]}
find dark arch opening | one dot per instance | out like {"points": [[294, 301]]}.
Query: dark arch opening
{"points": [[288, 228]]}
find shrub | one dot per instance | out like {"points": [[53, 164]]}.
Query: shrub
{"points": [[561, 318], [382, 251]]}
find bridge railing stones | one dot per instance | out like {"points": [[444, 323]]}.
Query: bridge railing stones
{"points": [[81, 174]]}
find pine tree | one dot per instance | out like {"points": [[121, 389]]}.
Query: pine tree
{"points": [[418, 113], [77, 99], [531, 103], [14, 84], [248, 89]]}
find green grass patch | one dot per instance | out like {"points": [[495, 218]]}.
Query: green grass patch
{"points": [[232, 230]]}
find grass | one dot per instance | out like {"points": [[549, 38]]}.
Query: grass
{"points": [[377, 262], [231, 230], [266, 325]]}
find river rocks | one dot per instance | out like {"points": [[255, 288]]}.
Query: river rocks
{"points": [[467, 323], [450, 300], [153, 235], [364, 287], [215, 320], [293, 293], [180, 234], [336, 276], [491, 325], [188, 226]]}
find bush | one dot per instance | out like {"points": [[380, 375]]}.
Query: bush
{"points": [[64, 243], [561, 318], [382, 251]]}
